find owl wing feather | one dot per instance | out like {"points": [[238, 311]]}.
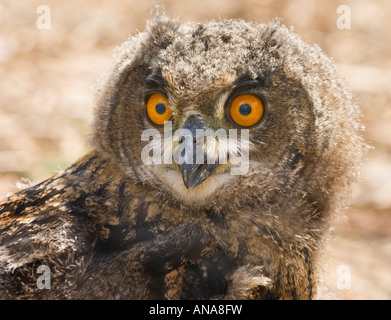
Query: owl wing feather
{"points": [[104, 237]]}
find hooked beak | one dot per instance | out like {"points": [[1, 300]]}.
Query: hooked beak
{"points": [[193, 174]]}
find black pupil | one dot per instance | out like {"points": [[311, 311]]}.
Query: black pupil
{"points": [[160, 108], [245, 109]]}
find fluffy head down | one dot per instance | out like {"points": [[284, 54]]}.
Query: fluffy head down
{"points": [[308, 148]]}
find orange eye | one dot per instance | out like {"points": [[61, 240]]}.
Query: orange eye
{"points": [[246, 110], [158, 109]]}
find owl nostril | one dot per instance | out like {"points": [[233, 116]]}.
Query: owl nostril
{"points": [[194, 123], [183, 139]]}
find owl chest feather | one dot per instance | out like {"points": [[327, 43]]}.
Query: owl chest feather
{"points": [[103, 236]]}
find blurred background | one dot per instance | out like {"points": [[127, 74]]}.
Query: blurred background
{"points": [[46, 101]]}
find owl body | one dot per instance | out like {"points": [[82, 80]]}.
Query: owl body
{"points": [[113, 227]]}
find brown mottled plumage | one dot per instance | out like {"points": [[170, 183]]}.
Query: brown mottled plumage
{"points": [[112, 227]]}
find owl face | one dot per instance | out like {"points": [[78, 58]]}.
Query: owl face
{"points": [[227, 76]]}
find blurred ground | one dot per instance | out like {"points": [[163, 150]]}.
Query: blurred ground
{"points": [[46, 100]]}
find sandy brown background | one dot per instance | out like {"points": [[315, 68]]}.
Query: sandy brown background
{"points": [[46, 100]]}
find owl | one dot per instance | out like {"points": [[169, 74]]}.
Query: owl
{"points": [[220, 153]]}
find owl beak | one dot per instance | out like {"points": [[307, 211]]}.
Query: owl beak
{"points": [[195, 174]]}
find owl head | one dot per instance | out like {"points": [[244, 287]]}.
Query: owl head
{"points": [[297, 128]]}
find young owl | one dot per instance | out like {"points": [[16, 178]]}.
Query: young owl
{"points": [[184, 225]]}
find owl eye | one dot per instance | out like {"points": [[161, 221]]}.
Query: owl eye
{"points": [[246, 110], [158, 109]]}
